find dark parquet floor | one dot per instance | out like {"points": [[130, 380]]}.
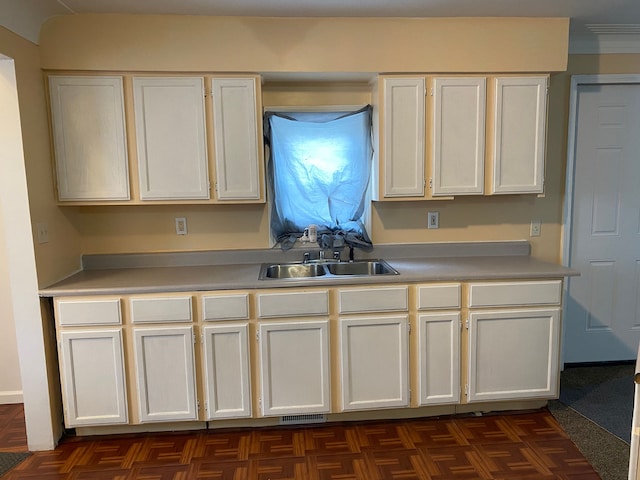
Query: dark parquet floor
{"points": [[507, 446]]}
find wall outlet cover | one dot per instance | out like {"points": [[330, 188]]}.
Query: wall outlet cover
{"points": [[181, 225], [433, 220]]}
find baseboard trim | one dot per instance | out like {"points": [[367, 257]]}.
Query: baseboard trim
{"points": [[14, 396]]}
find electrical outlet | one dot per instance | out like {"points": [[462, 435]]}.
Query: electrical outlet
{"points": [[181, 225], [535, 228], [42, 232], [433, 220]]}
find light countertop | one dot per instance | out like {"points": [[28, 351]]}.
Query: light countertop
{"points": [[153, 274]]}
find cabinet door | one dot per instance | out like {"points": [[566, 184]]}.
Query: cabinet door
{"points": [[458, 136], [294, 367], [226, 369], [519, 143], [513, 354], [374, 362], [237, 132], [439, 358], [93, 385], [165, 373], [403, 136], [89, 140], [170, 136]]}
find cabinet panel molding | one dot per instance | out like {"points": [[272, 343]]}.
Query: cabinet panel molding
{"points": [[88, 312], [458, 135], [294, 368], [402, 116], [439, 296], [88, 123], [237, 138], [170, 137], [226, 369], [519, 130], [505, 294], [165, 373], [293, 304], [374, 362], [373, 299], [93, 380], [513, 354], [439, 358], [225, 307], [159, 309]]}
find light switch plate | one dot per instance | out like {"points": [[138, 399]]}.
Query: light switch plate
{"points": [[535, 228], [42, 232], [433, 220], [181, 225]]}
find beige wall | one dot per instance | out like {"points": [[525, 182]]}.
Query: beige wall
{"points": [[258, 44], [86, 42], [60, 256]]}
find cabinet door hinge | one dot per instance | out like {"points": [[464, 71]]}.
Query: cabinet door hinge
{"points": [[195, 338], [430, 183], [466, 389], [258, 336], [460, 322], [409, 328], [198, 406], [466, 323], [432, 91]]}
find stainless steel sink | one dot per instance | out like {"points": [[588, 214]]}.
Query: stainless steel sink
{"points": [[369, 267], [300, 270]]}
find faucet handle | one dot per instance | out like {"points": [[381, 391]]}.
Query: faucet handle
{"points": [[305, 257], [336, 255]]}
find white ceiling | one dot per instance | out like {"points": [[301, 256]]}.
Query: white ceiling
{"points": [[617, 18]]}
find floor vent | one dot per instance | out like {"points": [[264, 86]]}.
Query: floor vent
{"points": [[303, 419]]}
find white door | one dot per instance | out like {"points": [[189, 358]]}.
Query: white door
{"points": [[374, 358], [403, 136], [513, 354], [237, 137], [439, 358], [520, 118], [93, 386], [459, 109], [602, 320], [226, 369], [165, 373], [171, 139], [294, 367], [87, 120]]}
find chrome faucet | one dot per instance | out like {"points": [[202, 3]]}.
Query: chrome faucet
{"points": [[321, 254]]}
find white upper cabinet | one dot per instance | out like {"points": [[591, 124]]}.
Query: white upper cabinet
{"points": [[458, 135], [171, 138], [89, 139], [401, 119], [519, 134], [237, 138]]}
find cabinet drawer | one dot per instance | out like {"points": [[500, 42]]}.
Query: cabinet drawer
{"points": [[225, 307], [293, 304], [373, 300], [89, 312], [168, 309], [500, 294], [439, 296]]}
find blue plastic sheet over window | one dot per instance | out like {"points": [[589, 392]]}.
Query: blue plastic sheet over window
{"points": [[319, 171]]}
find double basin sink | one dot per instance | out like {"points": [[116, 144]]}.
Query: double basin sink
{"points": [[323, 269]]}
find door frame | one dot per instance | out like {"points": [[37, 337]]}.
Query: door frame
{"points": [[576, 82]]}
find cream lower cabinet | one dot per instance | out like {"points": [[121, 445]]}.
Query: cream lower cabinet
{"points": [[225, 352], [92, 368], [91, 356], [164, 359], [374, 349], [514, 352], [293, 352]]}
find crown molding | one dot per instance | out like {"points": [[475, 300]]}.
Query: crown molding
{"points": [[599, 44]]}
